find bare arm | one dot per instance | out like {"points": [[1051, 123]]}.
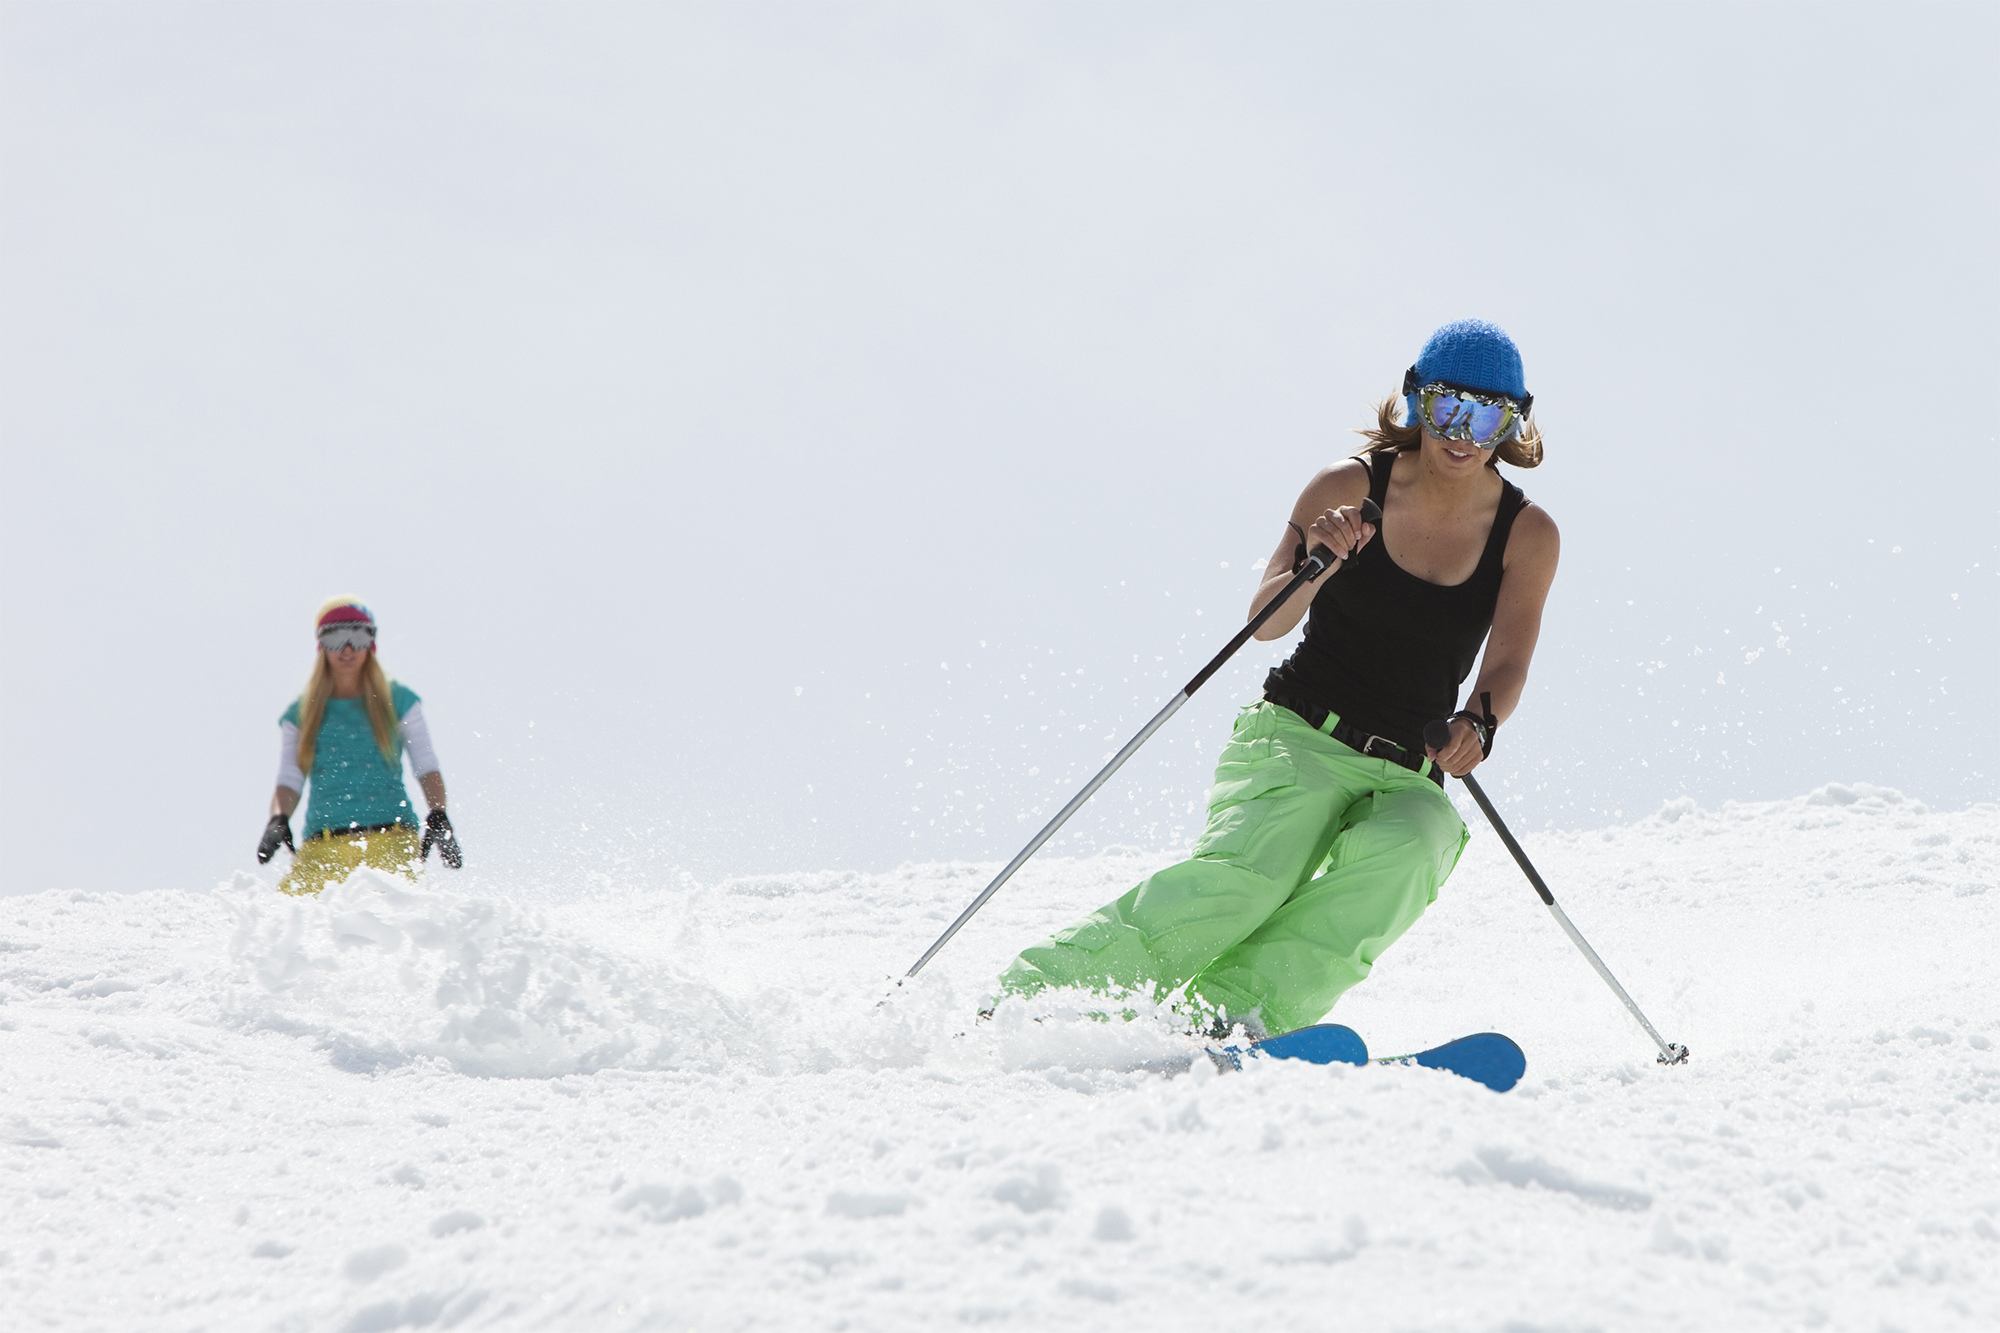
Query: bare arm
{"points": [[433, 785], [1532, 550], [283, 801], [1328, 511]]}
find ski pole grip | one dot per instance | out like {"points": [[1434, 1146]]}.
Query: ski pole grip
{"points": [[1322, 557], [1437, 734]]}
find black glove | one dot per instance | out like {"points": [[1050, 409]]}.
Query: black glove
{"points": [[437, 829], [277, 832]]}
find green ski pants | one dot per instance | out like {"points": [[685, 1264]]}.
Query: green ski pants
{"points": [[1316, 858]]}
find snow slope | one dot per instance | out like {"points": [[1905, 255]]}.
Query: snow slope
{"points": [[464, 1106]]}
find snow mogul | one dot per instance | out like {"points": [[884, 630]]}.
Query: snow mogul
{"points": [[349, 732], [1328, 829]]}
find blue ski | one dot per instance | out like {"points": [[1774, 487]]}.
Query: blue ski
{"points": [[1484, 1057], [1322, 1044]]}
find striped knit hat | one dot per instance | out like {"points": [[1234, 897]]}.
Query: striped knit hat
{"points": [[343, 610]]}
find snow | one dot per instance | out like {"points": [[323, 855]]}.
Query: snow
{"points": [[470, 1104]]}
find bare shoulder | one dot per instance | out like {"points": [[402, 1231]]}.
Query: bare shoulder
{"points": [[1534, 539], [1344, 483]]}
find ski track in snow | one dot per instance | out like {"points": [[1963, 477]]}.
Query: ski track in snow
{"points": [[452, 1107]]}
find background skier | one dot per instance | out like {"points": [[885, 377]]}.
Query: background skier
{"points": [[348, 732], [1328, 829]]}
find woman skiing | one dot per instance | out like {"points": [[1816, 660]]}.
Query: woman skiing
{"points": [[1328, 829], [348, 732]]}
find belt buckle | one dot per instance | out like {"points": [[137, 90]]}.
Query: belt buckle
{"points": [[1368, 746]]}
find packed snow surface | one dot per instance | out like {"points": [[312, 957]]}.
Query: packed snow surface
{"points": [[471, 1104]]}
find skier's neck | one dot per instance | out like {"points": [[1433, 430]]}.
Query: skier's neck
{"points": [[1451, 486]]}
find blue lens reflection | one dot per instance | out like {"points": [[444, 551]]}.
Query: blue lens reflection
{"points": [[1454, 418], [1486, 420]]}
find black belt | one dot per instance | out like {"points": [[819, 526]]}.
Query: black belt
{"points": [[1375, 747], [360, 828]]}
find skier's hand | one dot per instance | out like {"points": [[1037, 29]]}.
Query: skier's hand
{"points": [[277, 833], [1343, 530], [437, 831], [1463, 754]]}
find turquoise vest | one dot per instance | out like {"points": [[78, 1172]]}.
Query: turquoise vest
{"points": [[351, 785]]}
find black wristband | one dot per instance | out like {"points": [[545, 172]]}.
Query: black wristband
{"points": [[1483, 725]]}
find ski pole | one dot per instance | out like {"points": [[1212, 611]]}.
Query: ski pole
{"points": [[1437, 735], [1316, 564]]}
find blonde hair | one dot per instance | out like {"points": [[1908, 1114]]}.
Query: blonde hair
{"points": [[1390, 436], [374, 692]]}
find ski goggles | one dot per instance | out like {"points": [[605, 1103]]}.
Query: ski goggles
{"points": [[347, 634], [1454, 412]]}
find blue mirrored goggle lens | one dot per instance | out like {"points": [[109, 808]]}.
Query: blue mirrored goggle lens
{"points": [[1452, 417], [1486, 421]]}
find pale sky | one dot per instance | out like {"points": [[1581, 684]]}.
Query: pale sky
{"points": [[753, 425]]}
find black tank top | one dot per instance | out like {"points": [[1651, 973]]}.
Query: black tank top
{"points": [[1386, 650]]}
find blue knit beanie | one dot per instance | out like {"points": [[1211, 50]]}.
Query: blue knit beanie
{"points": [[1473, 354]]}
